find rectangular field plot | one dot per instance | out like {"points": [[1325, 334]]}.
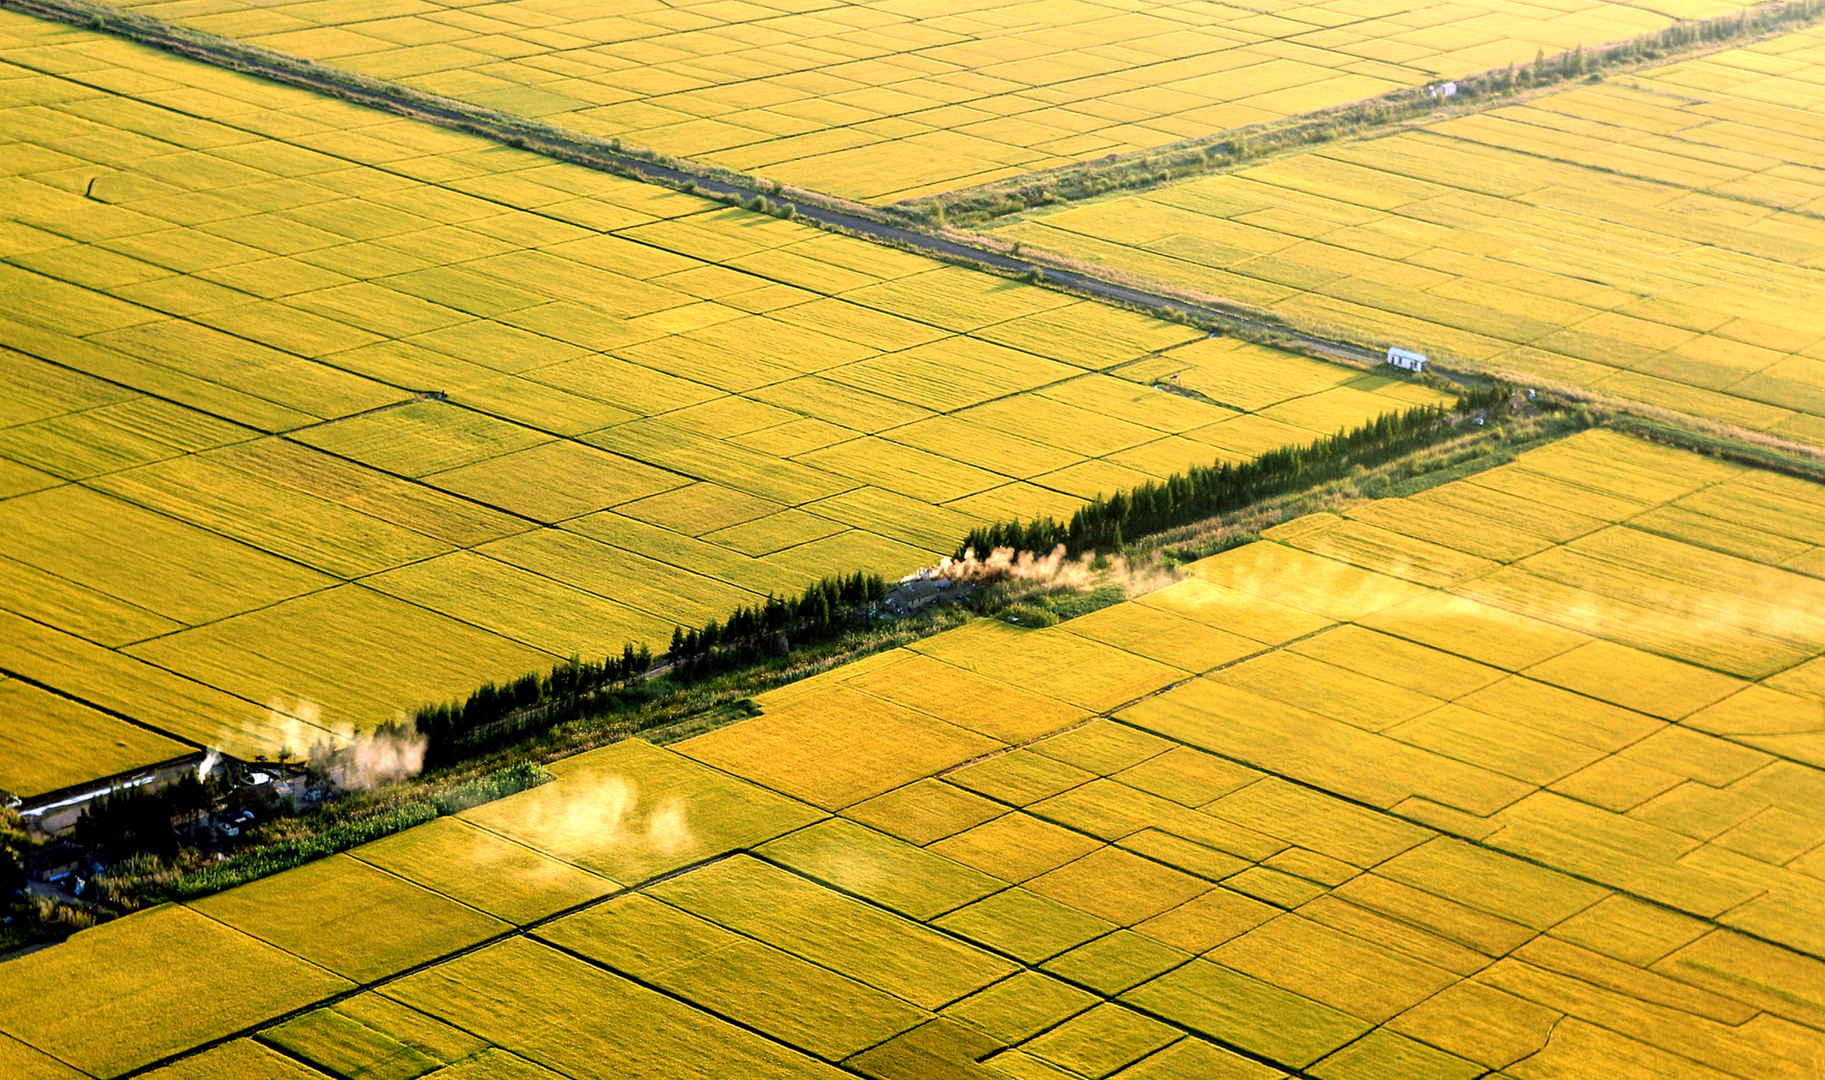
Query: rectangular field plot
{"points": [[315, 653], [905, 959], [757, 985], [507, 880], [300, 910], [798, 747], [547, 1006], [189, 980], [632, 811], [49, 742]]}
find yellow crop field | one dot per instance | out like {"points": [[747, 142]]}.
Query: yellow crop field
{"points": [[313, 415], [293, 387], [1653, 239], [1413, 827], [881, 100]]}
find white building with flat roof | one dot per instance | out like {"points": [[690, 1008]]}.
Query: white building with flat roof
{"points": [[1406, 359]]}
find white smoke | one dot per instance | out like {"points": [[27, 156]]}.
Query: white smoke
{"points": [[1053, 570], [346, 758], [609, 814], [370, 759], [210, 760], [1006, 564]]}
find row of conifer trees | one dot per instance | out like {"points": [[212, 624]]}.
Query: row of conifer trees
{"points": [[1208, 491]]}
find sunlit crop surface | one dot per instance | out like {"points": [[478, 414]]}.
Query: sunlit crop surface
{"points": [[1655, 238], [314, 416], [889, 99], [1437, 786]]}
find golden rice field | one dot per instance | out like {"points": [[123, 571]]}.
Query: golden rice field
{"points": [[1654, 238], [1449, 786], [312, 416], [891, 99]]}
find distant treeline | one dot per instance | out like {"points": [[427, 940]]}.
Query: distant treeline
{"points": [[496, 714], [1208, 491]]}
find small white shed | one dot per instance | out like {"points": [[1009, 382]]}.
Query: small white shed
{"points": [[1406, 359]]}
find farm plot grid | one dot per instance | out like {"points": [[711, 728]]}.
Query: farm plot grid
{"points": [[312, 416], [892, 99], [1655, 238], [1518, 778]]}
